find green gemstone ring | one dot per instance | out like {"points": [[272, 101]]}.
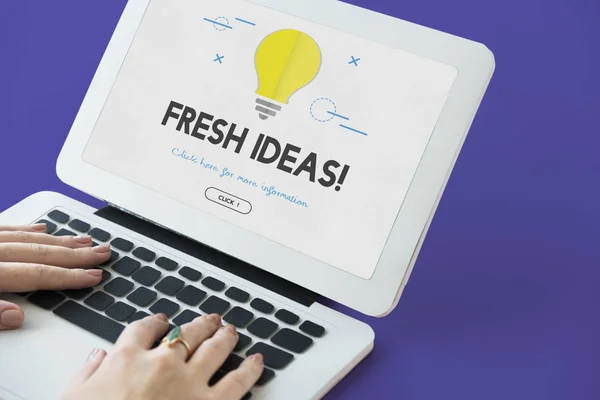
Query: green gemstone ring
{"points": [[174, 337]]}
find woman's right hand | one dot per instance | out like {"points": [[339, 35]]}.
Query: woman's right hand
{"points": [[133, 370]]}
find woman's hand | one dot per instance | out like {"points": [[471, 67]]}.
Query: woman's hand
{"points": [[32, 260], [135, 371]]}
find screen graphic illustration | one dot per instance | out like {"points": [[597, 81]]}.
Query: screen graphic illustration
{"points": [[286, 61], [321, 168]]}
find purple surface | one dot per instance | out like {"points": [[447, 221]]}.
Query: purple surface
{"points": [[504, 302]]}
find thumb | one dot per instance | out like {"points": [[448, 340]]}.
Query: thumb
{"points": [[92, 363], [11, 316]]}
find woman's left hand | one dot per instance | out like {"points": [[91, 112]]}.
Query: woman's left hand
{"points": [[32, 260]]}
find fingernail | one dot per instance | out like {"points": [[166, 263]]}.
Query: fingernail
{"points": [[11, 318], [231, 329], [257, 358], [162, 316], [82, 239], [103, 248], [216, 318], [94, 272], [39, 227], [94, 354]]}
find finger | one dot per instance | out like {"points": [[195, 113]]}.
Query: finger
{"points": [[54, 255], [213, 352], [144, 332], [11, 316], [20, 277], [239, 382], [194, 333], [91, 365], [73, 242], [24, 228]]}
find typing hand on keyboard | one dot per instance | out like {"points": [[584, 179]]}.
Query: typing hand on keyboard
{"points": [[32, 260], [182, 367]]}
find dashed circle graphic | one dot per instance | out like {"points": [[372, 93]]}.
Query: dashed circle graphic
{"points": [[222, 20], [320, 107]]}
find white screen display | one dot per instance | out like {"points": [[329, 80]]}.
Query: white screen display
{"points": [[303, 134]]}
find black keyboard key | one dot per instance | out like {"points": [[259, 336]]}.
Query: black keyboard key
{"points": [[214, 305], [190, 274], [265, 377], [165, 306], [120, 311], [220, 375], [65, 232], [122, 244], [105, 277], [142, 297], [99, 301], [213, 284], [287, 317], [191, 295], [239, 317], [292, 340], [46, 299], [169, 286], [243, 342], [262, 327], [89, 320], [113, 257], [78, 294], [99, 234], [79, 225], [232, 362], [312, 329], [166, 263], [126, 266], [118, 287], [146, 276], [144, 254], [185, 317], [237, 294], [50, 227], [274, 357], [137, 316], [216, 378], [262, 306], [58, 216]]}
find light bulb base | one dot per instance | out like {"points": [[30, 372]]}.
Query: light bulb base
{"points": [[266, 108]]}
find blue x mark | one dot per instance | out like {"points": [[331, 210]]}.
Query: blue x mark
{"points": [[354, 61], [219, 58]]}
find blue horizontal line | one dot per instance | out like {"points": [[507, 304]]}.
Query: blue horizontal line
{"points": [[217, 23], [353, 130], [338, 115], [246, 22]]}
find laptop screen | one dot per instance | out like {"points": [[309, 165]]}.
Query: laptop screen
{"points": [[300, 133]]}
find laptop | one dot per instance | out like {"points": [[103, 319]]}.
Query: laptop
{"points": [[256, 157]]}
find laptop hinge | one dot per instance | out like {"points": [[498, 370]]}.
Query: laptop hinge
{"points": [[208, 254]]}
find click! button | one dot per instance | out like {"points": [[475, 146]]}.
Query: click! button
{"points": [[228, 200]]}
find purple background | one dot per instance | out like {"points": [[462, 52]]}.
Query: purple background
{"points": [[504, 302]]}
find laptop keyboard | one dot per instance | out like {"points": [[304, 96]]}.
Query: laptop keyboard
{"points": [[134, 286]]}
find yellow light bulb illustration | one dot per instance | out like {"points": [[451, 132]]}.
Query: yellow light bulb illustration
{"points": [[286, 61]]}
